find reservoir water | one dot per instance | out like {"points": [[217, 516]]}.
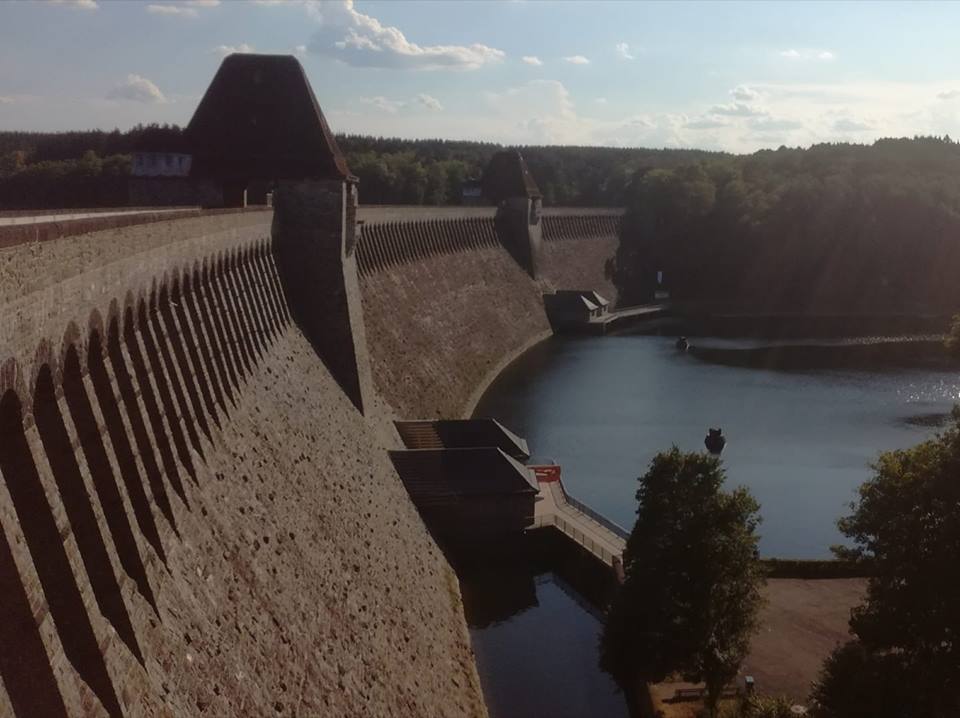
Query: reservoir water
{"points": [[800, 438], [803, 421]]}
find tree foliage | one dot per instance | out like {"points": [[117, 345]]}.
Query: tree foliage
{"points": [[74, 169], [390, 170], [905, 659], [397, 171], [691, 595], [834, 227]]}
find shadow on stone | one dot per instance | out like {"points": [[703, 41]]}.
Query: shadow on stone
{"points": [[105, 483], [154, 414], [117, 432], [49, 557], [66, 473], [24, 667]]}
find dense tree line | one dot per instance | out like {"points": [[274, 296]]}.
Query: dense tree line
{"points": [[42, 169], [74, 169], [38, 147], [836, 227], [396, 171]]}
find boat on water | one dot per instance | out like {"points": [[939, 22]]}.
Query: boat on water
{"points": [[682, 344]]}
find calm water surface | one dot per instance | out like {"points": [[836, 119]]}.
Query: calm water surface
{"points": [[538, 657], [801, 440]]}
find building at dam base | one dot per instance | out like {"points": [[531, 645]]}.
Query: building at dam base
{"points": [[198, 513]]}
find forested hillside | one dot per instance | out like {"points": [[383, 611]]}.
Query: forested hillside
{"points": [[833, 228], [396, 171], [74, 169], [836, 227], [81, 168]]}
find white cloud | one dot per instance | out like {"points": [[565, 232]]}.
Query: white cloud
{"points": [[78, 4], [300, 49], [532, 60], [536, 112], [431, 103], [361, 40], [848, 124], [383, 104], [768, 124], [230, 49], [182, 11], [742, 93], [705, 123], [137, 89], [577, 60], [737, 109], [601, 100], [948, 95], [392, 107], [6, 100], [808, 54], [623, 51], [181, 8], [794, 114]]}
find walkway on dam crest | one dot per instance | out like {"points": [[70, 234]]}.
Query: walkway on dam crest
{"points": [[17, 218]]}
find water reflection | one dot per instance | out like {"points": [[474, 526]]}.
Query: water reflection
{"points": [[803, 422], [534, 608]]}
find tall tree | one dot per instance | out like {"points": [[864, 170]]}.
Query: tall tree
{"points": [[905, 530], [691, 595]]}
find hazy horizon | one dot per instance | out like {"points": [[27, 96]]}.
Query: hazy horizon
{"points": [[733, 77]]}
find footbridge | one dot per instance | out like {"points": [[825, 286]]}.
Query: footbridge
{"points": [[577, 521]]}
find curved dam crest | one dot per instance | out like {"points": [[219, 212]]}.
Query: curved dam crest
{"points": [[196, 516]]}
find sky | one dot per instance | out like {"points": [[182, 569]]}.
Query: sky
{"points": [[722, 76]]}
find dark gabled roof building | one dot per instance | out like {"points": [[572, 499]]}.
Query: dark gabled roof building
{"points": [[468, 495], [507, 175], [260, 119]]}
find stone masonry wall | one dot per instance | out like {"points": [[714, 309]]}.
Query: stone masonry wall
{"points": [[194, 518], [446, 305], [579, 248], [437, 328]]}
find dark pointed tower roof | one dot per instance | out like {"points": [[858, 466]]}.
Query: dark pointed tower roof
{"points": [[260, 119], [507, 175]]}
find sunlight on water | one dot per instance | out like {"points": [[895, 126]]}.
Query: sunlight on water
{"points": [[801, 440]]}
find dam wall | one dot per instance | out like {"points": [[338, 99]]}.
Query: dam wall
{"points": [[579, 247], [195, 517], [198, 514], [446, 305]]}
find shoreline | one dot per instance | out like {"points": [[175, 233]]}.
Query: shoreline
{"points": [[492, 374]]}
